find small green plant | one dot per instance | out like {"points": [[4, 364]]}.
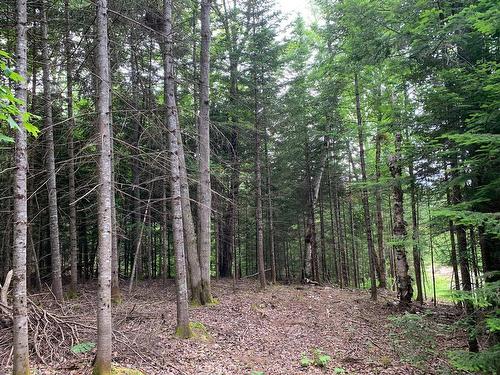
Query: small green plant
{"points": [[413, 338], [83, 347], [305, 361], [319, 359], [339, 370], [484, 362], [257, 373]]}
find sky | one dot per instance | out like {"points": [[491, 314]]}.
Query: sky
{"points": [[293, 7]]}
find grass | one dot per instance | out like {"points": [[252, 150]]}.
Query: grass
{"points": [[443, 282]]}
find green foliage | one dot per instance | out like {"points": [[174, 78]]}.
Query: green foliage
{"points": [[413, 338], [484, 362], [319, 359], [9, 104], [83, 347], [305, 361], [257, 373], [339, 370]]}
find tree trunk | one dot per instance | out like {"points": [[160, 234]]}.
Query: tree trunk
{"points": [[258, 207], [415, 235], [463, 260], [335, 262], [405, 290], [164, 234], [115, 277], [270, 213], [204, 192], [73, 240], [182, 329], [50, 165], [20, 314], [378, 205], [364, 194], [102, 365]]}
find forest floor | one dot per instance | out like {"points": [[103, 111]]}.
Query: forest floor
{"points": [[251, 332]]}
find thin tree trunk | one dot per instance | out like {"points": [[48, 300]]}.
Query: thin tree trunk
{"points": [[20, 314], [138, 248], [463, 260], [475, 267], [116, 296], [378, 205], [102, 365], [164, 233], [335, 263], [415, 235], [204, 192], [183, 328], [432, 253], [364, 194], [73, 240], [50, 165], [270, 213], [405, 290]]}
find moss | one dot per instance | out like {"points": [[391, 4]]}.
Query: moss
{"points": [[201, 296], [125, 371], [214, 302], [101, 368], [199, 332], [385, 361], [71, 294], [206, 296], [184, 331], [196, 297]]}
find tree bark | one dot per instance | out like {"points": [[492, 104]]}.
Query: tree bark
{"points": [[50, 165], [270, 214], [73, 239], [102, 365], [204, 192], [415, 236], [182, 329], [378, 205], [19, 312], [405, 290], [364, 194]]}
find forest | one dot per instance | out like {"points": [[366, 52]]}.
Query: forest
{"points": [[222, 187]]}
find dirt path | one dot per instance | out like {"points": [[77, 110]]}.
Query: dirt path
{"points": [[250, 331]]}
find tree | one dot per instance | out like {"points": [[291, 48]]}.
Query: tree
{"points": [[366, 205], [182, 329], [71, 153], [20, 315], [405, 290], [102, 365], [55, 250], [204, 192]]}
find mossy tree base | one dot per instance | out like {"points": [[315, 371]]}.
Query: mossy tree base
{"points": [[101, 368], [125, 371], [183, 331], [201, 295]]}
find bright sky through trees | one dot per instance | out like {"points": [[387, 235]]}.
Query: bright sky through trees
{"points": [[293, 7]]}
